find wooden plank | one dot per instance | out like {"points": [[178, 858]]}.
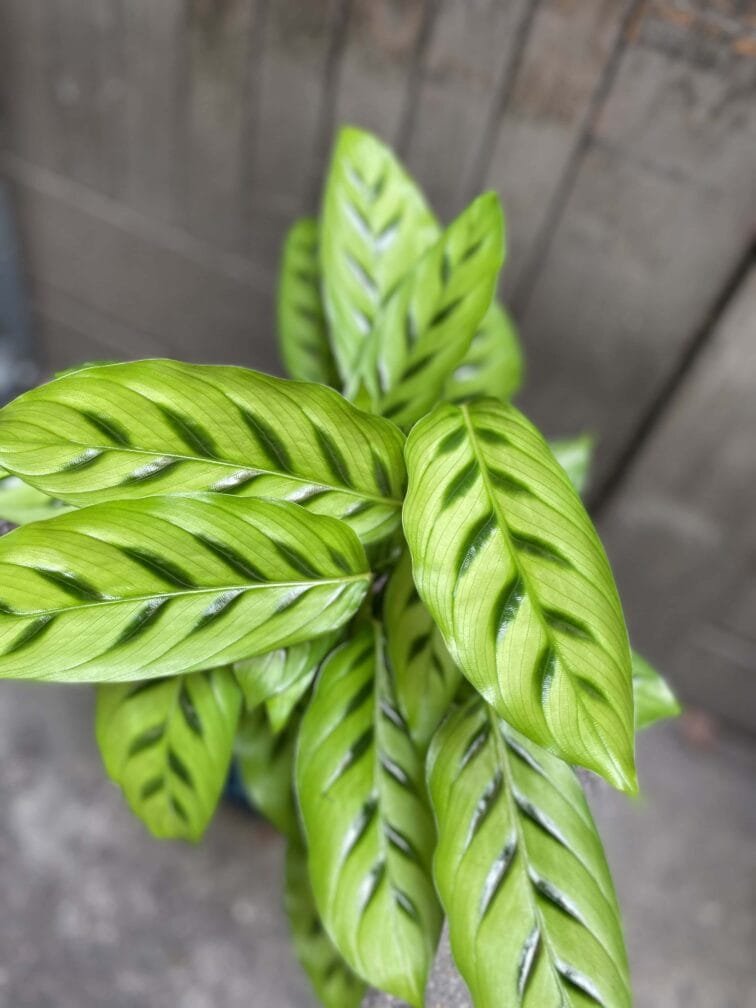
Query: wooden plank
{"points": [[681, 530], [156, 280], [470, 53], [660, 216]]}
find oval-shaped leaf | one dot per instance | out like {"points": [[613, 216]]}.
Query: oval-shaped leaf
{"points": [[157, 427], [21, 503], [575, 455], [302, 328], [166, 585], [654, 699], [334, 983], [425, 677], [493, 364], [367, 823], [423, 331], [262, 676], [167, 744], [533, 918], [375, 224], [510, 566], [266, 767]]}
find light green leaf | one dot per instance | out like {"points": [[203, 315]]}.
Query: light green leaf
{"points": [[425, 677], [281, 706], [654, 700], [166, 585], [424, 330], [158, 427], [575, 455], [369, 831], [510, 566], [262, 676], [334, 983], [375, 225], [533, 918], [266, 767], [493, 364], [302, 329], [21, 503], [167, 744]]}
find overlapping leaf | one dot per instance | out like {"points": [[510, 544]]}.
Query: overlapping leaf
{"points": [[265, 675], [425, 328], [167, 743], [575, 455], [302, 328], [266, 767], [533, 918], [375, 225], [493, 364], [425, 677], [654, 699], [369, 831], [166, 585], [21, 503], [334, 983], [511, 568], [157, 427]]}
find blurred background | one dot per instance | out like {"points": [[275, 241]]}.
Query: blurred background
{"points": [[152, 155]]}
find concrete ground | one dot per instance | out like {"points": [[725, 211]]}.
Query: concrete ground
{"points": [[96, 914]]}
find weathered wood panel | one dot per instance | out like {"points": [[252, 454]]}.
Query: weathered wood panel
{"points": [[681, 528]]}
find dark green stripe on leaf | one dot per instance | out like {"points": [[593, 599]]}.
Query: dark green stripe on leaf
{"points": [[195, 437]]}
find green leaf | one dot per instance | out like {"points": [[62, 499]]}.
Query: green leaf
{"points": [[166, 585], [375, 225], [21, 503], [510, 566], [281, 705], [266, 767], [493, 364], [575, 455], [425, 328], [369, 830], [533, 917], [654, 700], [167, 744], [158, 427], [425, 677], [302, 329], [335, 984], [262, 676]]}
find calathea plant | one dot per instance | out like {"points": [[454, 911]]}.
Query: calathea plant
{"points": [[390, 604]]}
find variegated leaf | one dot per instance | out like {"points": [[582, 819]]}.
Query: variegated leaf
{"points": [[493, 364], [533, 918], [654, 699], [368, 827], [266, 767], [262, 676], [510, 566], [425, 677], [167, 585], [302, 328], [375, 224], [167, 744], [334, 983], [575, 455], [425, 328], [157, 427]]}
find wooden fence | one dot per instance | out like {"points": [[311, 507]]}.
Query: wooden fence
{"points": [[158, 149]]}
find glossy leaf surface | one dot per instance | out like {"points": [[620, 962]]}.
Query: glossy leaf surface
{"points": [[368, 827], [167, 744], [575, 455], [266, 767], [425, 328], [21, 503], [425, 677], [302, 328], [493, 363], [510, 566], [375, 225], [533, 917], [157, 427], [334, 983], [262, 676], [166, 585], [654, 699]]}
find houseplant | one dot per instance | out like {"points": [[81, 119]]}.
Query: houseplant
{"points": [[390, 604]]}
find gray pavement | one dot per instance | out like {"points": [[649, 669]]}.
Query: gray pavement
{"points": [[95, 913]]}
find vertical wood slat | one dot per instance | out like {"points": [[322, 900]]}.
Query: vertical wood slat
{"points": [[681, 530]]}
